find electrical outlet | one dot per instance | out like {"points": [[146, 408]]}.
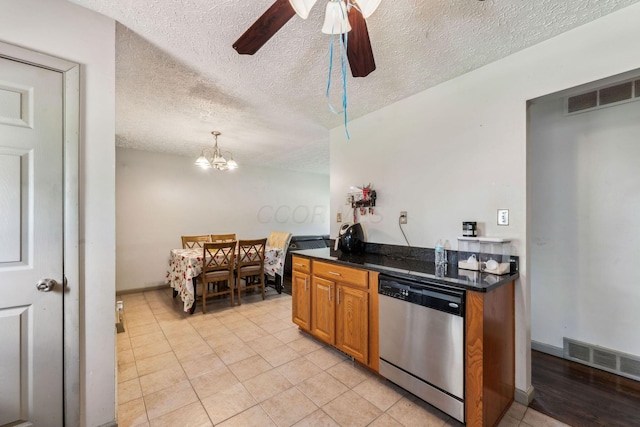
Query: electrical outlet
{"points": [[403, 217], [503, 216], [339, 217]]}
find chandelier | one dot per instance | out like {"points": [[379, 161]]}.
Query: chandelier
{"points": [[214, 159]]}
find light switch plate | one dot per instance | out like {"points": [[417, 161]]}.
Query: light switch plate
{"points": [[339, 217], [503, 216]]}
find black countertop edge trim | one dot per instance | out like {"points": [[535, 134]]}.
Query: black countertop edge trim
{"points": [[472, 280]]}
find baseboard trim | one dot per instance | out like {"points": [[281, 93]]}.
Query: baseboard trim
{"points": [[546, 348], [524, 397], [111, 424], [145, 289]]}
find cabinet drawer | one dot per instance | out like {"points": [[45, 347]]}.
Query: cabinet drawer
{"points": [[302, 265], [341, 274]]}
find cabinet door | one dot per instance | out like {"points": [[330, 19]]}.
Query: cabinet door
{"points": [[352, 318], [323, 309], [301, 294]]}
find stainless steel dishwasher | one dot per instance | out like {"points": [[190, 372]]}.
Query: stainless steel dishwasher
{"points": [[422, 340]]}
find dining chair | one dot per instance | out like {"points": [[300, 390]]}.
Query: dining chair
{"points": [[280, 240], [193, 242], [190, 242], [223, 237], [218, 263], [250, 265]]}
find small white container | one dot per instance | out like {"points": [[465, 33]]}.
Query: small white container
{"points": [[469, 253], [470, 276], [495, 254]]}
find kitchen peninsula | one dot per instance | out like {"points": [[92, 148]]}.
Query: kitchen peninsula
{"points": [[336, 299]]}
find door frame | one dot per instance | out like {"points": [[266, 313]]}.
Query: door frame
{"points": [[71, 261]]}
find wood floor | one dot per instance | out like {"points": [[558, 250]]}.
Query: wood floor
{"points": [[582, 396]]}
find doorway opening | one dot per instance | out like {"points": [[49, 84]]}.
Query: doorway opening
{"points": [[584, 231]]}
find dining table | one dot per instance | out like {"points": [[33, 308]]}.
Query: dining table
{"points": [[186, 264]]}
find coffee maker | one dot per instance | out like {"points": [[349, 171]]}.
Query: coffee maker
{"points": [[350, 238]]}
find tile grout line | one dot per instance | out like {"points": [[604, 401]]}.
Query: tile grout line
{"points": [[262, 308]]}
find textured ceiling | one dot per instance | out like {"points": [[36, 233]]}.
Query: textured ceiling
{"points": [[178, 78]]}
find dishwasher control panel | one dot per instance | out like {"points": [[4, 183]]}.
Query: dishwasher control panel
{"points": [[393, 291], [427, 295]]}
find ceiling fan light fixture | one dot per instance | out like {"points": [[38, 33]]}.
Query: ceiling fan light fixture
{"points": [[367, 7], [336, 20], [302, 7]]}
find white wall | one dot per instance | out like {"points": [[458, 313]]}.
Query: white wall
{"points": [[457, 151], [58, 28], [161, 197], [585, 199]]}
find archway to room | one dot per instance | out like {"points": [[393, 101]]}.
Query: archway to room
{"points": [[583, 152]]}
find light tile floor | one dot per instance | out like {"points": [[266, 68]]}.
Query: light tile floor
{"points": [[250, 366]]}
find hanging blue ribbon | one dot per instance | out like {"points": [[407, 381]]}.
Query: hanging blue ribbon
{"points": [[343, 66]]}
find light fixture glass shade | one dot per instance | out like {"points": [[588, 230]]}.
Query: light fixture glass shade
{"points": [[203, 162], [302, 7], [367, 7], [231, 164], [336, 20]]}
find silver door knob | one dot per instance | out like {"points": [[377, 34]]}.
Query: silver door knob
{"points": [[45, 285]]}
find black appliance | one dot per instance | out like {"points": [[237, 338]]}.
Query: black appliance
{"points": [[304, 242], [350, 238]]}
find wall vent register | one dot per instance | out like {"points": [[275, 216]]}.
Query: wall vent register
{"points": [[606, 96], [623, 364]]}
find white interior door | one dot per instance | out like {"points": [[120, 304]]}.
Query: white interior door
{"points": [[31, 245]]}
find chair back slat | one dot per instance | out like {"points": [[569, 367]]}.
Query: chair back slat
{"points": [[218, 265], [189, 242], [250, 265], [218, 256], [223, 237], [251, 252]]}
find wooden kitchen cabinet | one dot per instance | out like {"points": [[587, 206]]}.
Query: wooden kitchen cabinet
{"points": [[490, 355], [323, 309], [341, 274], [340, 308], [340, 316], [333, 303], [352, 322], [301, 292]]}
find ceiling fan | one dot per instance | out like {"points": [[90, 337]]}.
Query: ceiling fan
{"points": [[342, 16]]}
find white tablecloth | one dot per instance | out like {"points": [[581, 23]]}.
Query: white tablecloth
{"points": [[185, 264]]}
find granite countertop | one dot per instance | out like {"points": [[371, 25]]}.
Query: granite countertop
{"points": [[412, 269]]}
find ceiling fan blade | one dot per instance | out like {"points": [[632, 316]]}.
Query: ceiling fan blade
{"points": [[359, 50], [265, 27]]}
